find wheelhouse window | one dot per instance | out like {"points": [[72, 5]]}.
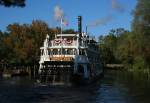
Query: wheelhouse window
{"points": [[81, 52]]}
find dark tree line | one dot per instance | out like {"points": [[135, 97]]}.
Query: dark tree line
{"points": [[21, 43], [130, 47], [9, 3]]}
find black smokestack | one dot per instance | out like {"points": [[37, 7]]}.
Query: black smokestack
{"points": [[80, 25]]}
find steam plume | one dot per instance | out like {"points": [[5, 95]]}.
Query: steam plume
{"points": [[101, 21], [58, 13], [117, 6]]}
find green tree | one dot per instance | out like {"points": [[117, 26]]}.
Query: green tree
{"points": [[107, 47], [117, 46], [141, 29]]}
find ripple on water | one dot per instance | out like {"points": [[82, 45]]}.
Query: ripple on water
{"points": [[115, 87]]}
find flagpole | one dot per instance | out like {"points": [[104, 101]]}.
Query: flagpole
{"points": [[61, 33]]}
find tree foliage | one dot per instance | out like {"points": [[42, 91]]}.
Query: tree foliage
{"points": [[110, 45], [131, 48], [9, 3], [22, 42], [141, 29]]}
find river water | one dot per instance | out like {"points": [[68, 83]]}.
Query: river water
{"points": [[115, 87]]}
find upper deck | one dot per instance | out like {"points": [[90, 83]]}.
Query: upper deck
{"points": [[65, 41], [71, 41]]}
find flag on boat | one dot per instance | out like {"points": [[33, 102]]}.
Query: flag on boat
{"points": [[64, 22]]}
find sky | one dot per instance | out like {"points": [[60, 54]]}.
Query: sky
{"points": [[99, 15]]}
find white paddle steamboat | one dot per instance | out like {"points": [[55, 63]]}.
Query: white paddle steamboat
{"points": [[70, 58]]}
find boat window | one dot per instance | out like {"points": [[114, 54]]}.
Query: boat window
{"points": [[75, 52], [59, 51], [49, 52], [81, 52], [63, 51], [55, 51], [42, 52], [69, 51]]}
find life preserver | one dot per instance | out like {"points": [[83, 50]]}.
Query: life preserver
{"points": [[57, 41], [68, 41]]}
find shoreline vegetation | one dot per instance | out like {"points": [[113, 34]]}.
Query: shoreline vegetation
{"points": [[131, 48], [20, 43], [17, 69]]}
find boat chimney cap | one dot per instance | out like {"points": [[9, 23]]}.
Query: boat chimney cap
{"points": [[80, 25]]}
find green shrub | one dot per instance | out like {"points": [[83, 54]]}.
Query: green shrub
{"points": [[139, 63]]}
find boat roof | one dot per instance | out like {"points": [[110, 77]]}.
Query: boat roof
{"points": [[92, 38], [66, 35]]}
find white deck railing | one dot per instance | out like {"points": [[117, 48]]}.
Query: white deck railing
{"points": [[63, 43]]}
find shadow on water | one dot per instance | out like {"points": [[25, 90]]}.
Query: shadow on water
{"points": [[115, 87]]}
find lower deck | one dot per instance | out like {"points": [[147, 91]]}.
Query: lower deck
{"points": [[56, 72], [66, 72]]}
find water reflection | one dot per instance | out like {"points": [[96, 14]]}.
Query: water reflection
{"points": [[115, 87]]}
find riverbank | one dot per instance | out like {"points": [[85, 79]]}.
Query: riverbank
{"points": [[126, 67], [114, 66], [17, 69]]}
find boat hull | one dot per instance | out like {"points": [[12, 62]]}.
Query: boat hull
{"points": [[63, 73]]}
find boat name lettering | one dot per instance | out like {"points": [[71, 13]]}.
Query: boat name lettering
{"points": [[60, 58]]}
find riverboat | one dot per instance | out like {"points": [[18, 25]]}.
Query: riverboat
{"points": [[70, 58]]}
